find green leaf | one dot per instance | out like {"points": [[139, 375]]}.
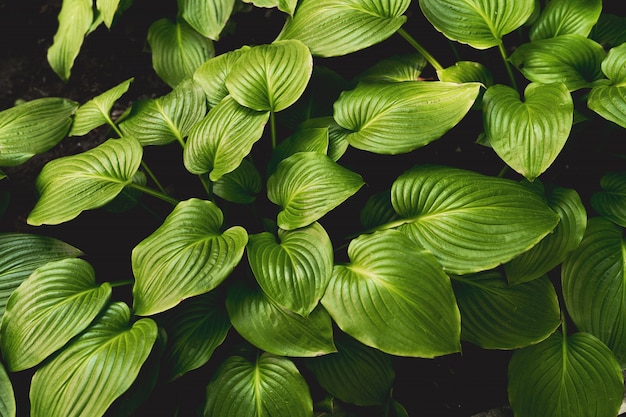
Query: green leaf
{"points": [[219, 142], [307, 185], [270, 77], [466, 72], [177, 50], [610, 31], [129, 197], [241, 185], [190, 246], [75, 19], [269, 386], [400, 117], [378, 210], [528, 135], [69, 185], [95, 368], [609, 100], [397, 68], [313, 139], [58, 301], [211, 75], [573, 60], [277, 330], [339, 27], [33, 127], [96, 111], [287, 6], [337, 135], [481, 24], [611, 201], [8, 407], [469, 221], [496, 315], [573, 376], [107, 9], [395, 297], [207, 17], [563, 17]]}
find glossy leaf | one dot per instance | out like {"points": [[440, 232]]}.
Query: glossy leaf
{"points": [[207, 17], [573, 376], [8, 406], [400, 117], [69, 185], [611, 201], [308, 185], [395, 297], [609, 100], [314, 139], [339, 27], [211, 75], [269, 386], [528, 134], [563, 17], [33, 127], [241, 185], [469, 221], [107, 9], [481, 24], [190, 246], [70, 385]]}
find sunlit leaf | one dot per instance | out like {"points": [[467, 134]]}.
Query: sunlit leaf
{"points": [[207, 17], [8, 407], [107, 9], [562, 17], [611, 201], [211, 75], [241, 185], [609, 100]]}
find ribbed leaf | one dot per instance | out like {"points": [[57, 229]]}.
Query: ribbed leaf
{"points": [[219, 142], [314, 139], [241, 185], [337, 135], [573, 60], [107, 9], [573, 376], [96, 111], [58, 301], [8, 407], [469, 221], [69, 185], [33, 127], [270, 386], [339, 27], [562, 17], [397, 68], [611, 201], [95, 368], [378, 210], [308, 185], [395, 297], [528, 135], [211, 75], [207, 17], [400, 117], [496, 315], [610, 30], [466, 72], [609, 101], [479, 23], [190, 246], [129, 197]]}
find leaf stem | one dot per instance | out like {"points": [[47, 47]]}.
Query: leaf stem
{"points": [[110, 122], [507, 65], [154, 193], [273, 128], [431, 60], [121, 283], [207, 184]]}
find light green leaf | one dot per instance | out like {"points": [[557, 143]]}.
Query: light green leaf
{"points": [[269, 386], [339, 27], [33, 127], [496, 315], [400, 117], [562, 17], [69, 185], [313, 139], [75, 19], [397, 68], [469, 221], [337, 135], [219, 142], [207, 17], [270, 77], [241, 185], [395, 297], [190, 246], [479, 23], [8, 407], [287, 6], [565, 376], [528, 135], [611, 201], [211, 75], [307, 185], [95, 368], [177, 50], [609, 100], [57, 302], [96, 111], [573, 60], [466, 72], [107, 9]]}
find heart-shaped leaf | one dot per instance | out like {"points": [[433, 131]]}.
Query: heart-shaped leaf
{"points": [[528, 135], [395, 297], [241, 185], [394, 118], [207, 17], [609, 101], [269, 386], [190, 246], [470, 222], [8, 406], [481, 24], [71, 385], [69, 185], [611, 201], [211, 75], [562, 17], [308, 185]]}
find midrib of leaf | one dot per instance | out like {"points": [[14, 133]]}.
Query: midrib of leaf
{"points": [[257, 389], [170, 124]]}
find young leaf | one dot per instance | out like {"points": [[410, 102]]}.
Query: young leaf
{"points": [[33, 127], [8, 407], [609, 100], [58, 301], [565, 376], [469, 221], [69, 185], [107, 9], [481, 24], [241, 185], [339, 27], [308, 185], [400, 117], [190, 246], [269, 386], [211, 75], [70, 385], [314, 139], [395, 297], [562, 17], [207, 17], [611, 201], [528, 135]]}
